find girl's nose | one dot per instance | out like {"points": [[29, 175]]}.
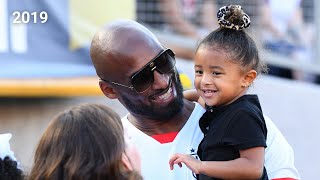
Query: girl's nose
{"points": [[206, 79]]}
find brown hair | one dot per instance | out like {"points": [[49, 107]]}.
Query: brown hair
{"points": [[85, 142]]}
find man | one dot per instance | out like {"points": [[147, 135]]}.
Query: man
{"points": [[138, 71]]}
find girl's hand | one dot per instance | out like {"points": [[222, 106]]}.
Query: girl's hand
{"points": [[193, 164]]}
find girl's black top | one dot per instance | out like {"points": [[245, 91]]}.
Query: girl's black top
{"points": [[231, 128]]}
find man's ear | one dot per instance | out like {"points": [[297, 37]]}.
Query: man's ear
{"points": [[249, 77], [107, 90]]}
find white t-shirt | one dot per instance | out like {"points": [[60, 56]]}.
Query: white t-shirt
{"points": [[5, 146], [279, 158]]}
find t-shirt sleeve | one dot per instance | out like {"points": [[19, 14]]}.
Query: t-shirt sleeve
{"points": [[246, 130]]}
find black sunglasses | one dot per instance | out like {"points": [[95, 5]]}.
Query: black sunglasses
{"points": [[142, 80]]}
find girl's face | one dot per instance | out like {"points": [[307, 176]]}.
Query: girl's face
{"points": [[218, 80]]}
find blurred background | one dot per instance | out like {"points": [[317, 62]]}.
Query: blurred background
{"points": [[45, 65]]}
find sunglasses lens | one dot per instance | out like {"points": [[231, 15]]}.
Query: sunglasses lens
{"points": [[142, 80], [165, 62]]}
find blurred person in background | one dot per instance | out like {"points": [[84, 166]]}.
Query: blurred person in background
{"points": [[189, 18], [87, 142], [285, 32], [135, 68], [9, 169]]}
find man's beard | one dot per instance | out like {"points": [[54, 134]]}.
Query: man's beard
{"points": [[159, 113]]}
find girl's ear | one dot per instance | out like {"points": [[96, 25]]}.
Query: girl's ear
{"points": [[249, 77], [126, 162], [107, 90]]}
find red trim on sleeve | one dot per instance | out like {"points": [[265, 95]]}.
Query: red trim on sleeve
{"points": [[165, 138], [284, 179]]}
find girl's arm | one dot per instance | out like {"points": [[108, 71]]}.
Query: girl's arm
{"points": [[248, 166], [192, 95]]}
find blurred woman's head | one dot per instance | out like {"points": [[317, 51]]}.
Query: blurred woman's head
{"points": [[85, 142]]}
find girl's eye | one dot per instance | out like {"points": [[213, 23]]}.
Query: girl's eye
{"points": [[198, 72], [216, 73]]}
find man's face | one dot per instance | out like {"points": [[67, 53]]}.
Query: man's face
{"points": [[162, 104], [162, 99]]}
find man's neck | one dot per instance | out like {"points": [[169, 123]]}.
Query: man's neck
{"points": [[153, 127]]}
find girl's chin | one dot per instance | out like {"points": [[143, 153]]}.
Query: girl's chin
{"points": [[210, 104]]}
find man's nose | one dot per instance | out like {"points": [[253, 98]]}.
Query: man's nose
{"points": [[161, 81]]}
